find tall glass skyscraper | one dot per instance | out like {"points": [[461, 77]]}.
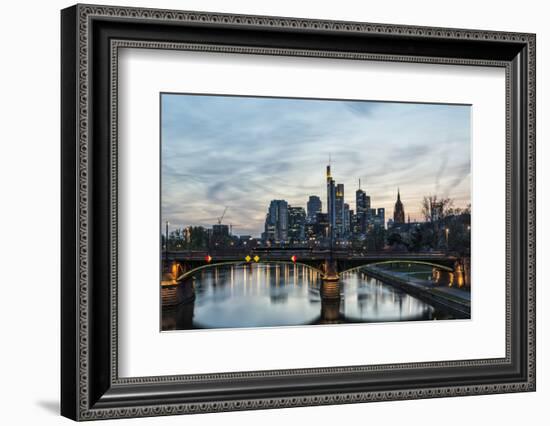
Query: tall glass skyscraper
{"points": [[296, 224], [347, 219], [314, 206], [276, 221], [362, 207], [339, 210], [331, 203]]}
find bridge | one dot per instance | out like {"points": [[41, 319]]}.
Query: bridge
{"points": [[331, 265]]}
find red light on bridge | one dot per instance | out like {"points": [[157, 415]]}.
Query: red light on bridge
{"points": [[293, 258], [208, 258]]}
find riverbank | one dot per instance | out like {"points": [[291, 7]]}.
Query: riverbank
{"points": [[449, 299]]}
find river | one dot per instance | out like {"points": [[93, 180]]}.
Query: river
{"points": [[274, 295]]}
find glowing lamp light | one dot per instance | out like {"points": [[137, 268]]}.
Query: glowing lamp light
{"points": [[293, 258], [174, 269], [248, 258], [256, 258], [208, 258]]}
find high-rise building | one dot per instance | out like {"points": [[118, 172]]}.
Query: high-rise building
{"points": [[399, 211], [339, 210], [362, 210], [347, 219], [314, 206], [381, 216], [331, 203], [220, 235], [276, 221], [220, 230], [321, 226], [352, 223], [296, 224]]}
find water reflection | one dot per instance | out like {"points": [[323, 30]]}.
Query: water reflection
{"points": [[263, 295]]}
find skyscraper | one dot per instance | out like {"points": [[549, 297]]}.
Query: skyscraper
{"points": [[296, 224], [381, 216], [331, 203], [399, 211], [321, 228], [362, 209], [276, 221], [339, 209], [352, 223], [347, 219], [314, 206]]}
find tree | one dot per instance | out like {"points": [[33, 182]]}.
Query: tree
{"points": [[435, 208], [378, 234], [459, 235], [416, 240], [447, 227], [198, 238], [395, 239], [375, 238], [458, 211], [175, 239]]}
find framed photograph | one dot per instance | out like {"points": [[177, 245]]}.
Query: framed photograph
{"points": [[263, 212], [275, 256]]}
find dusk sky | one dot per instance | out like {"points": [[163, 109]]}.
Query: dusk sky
{"points": [[243, 152]]}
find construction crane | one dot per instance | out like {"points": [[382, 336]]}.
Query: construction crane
{"points": [[222, 216]]}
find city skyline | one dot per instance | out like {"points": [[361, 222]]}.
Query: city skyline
{"points": [[244, 152]]}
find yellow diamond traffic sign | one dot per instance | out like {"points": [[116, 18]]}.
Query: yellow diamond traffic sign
{"points": [[256, 258], [247, 258]]}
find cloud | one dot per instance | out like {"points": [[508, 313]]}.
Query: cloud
{"points": [[442, 167], [461, 173], [243, 152]]}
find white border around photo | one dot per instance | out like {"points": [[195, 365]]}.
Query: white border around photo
{"points": [[144, 351]]}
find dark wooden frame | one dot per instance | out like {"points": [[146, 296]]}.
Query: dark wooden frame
{"points": [[90, 386]]}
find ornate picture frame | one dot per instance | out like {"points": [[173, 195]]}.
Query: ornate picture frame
{"points": [[91, 37]]}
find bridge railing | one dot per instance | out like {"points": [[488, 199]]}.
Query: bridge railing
{"points": [[317, 254]]}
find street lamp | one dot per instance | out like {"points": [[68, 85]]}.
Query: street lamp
{"points": [[447, 237]]}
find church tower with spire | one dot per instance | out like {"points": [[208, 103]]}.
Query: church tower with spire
{"points": [[399, 211]]}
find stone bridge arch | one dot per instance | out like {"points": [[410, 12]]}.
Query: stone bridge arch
{"points": [[386, 262], [207, 265]]}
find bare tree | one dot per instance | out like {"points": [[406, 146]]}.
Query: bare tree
{"points": [[465, 210], [435, 208]]}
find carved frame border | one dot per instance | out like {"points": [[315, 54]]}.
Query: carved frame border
{"points": [[85, 13]]}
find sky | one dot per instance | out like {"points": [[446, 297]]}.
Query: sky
{"points": [[243, 152]]}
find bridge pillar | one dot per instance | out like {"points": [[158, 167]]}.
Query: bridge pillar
{"points": [[171, 270], [330, 311], [330, 288], [461, 273], [330, 270]]}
